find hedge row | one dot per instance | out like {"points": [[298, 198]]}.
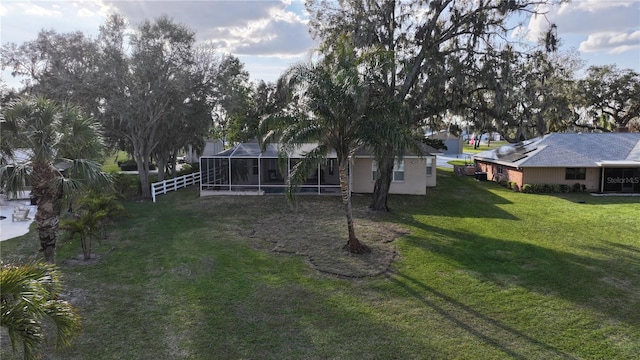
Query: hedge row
{"points": [[552, 188], [130, 165]]}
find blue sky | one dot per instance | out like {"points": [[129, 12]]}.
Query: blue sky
{"points": [[269, 36]]}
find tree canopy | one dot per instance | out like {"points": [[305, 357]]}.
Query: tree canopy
{"points": [[419, 40]]}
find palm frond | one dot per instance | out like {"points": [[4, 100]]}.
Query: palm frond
{"points": [[30, 292], [305, 167], [15, 177], [89, 173]]}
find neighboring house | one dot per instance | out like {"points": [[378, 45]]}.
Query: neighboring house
{"points": [[245, 169], [412, 174], [211, 147], [601, 162], [453, 143]]}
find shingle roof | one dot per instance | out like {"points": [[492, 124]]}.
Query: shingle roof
{"points": [[568, 150], [425, 150]]}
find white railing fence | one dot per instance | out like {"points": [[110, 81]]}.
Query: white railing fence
{"points": [[163, 187]]}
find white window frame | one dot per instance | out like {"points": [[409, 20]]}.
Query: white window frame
{"points": [[398, 168], [429, 163]]}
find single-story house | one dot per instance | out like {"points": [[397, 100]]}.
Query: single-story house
{"points": [[211, 147], [246, 169], [599, 162]]}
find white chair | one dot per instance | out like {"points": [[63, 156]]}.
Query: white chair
{"points": [[20, 214]]}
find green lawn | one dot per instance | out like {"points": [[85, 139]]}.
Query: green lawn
{"points": [[480, 273], [468, 149], [111, 163]]}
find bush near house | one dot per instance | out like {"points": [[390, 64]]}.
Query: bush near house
{"points": [[188, 169], [130, 165], [552, 188]]}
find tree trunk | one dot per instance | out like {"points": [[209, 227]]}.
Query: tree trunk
{"points": [[143, 174], [383, 182], [161, 166], [353, 245], [47, 220]]}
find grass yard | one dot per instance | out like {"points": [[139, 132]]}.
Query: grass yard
{"points": [[111, 163], [470, 271], [468, 149]]}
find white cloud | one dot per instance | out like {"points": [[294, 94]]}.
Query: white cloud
{"points": [[610, 26], [612, 42], [84, 12], [3, 10], [598, 5], [32, 8], [263, 28]]}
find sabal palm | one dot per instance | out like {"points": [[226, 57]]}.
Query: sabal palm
{"points": [[29, 294], [61, 145], [327, 106]]}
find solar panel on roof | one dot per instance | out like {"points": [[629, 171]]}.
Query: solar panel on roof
{"points": [[514, 157]]}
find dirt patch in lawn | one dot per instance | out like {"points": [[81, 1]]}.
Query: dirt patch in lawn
{"points": [[316, 228]]}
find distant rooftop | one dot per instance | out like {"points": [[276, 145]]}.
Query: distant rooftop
{"points": [[568, 150]]}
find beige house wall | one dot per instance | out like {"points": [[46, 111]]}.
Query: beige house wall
{"points": [[415, 179], [532, 175], [557, 176]]}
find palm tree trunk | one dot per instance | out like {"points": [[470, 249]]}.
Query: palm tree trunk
{"points": [[353, 245], [49, 206], [48, 220]]}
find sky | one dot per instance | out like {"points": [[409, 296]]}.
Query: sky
{"points": [[269, 36]]}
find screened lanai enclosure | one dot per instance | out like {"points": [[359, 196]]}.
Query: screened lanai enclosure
{"points": [[245, 169]]}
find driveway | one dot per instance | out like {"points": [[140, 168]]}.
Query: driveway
{"points": [[441, 160]]}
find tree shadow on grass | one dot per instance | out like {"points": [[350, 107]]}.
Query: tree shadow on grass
{"points": [[507, 339], [455, 197], [607, 282]]}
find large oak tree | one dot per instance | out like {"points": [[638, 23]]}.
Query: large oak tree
{"points": [[417, 37]]}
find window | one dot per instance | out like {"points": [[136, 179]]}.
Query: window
{"points": [[331, 165], [575, 174], [398, 170], [429, 166], [255, 166], [499, 171]]}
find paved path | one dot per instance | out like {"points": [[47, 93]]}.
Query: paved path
{"points": [[8, 228], [441, 160]]}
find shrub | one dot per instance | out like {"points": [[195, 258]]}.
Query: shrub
{"points": [[130, 165], [188, 169], [576, 187], [550, 188], [126, 185]]}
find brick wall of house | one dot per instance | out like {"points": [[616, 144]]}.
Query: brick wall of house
{"points": [[493, 174]]}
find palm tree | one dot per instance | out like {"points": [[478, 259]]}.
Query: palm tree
{"points": [[61, 144], [30, 293], [327, 105], [92, 213]]}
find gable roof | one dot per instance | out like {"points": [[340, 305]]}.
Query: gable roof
{"points": [[569, 150], [425, 150]]}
